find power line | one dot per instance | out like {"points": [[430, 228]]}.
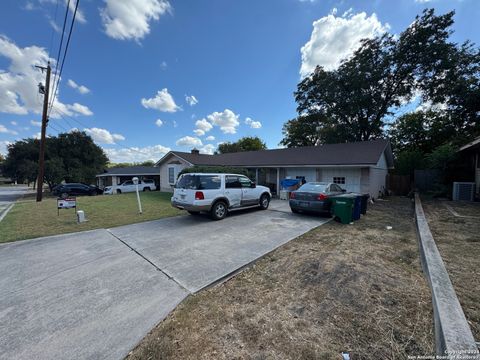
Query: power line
{"points": [[60, 49], [65, 52], [53, 29]]}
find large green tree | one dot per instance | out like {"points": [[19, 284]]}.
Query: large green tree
{"points": [[356, 101], [247, 143], [72, 157]]}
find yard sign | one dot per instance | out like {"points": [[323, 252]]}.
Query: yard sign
{"points": [[67, 203]]}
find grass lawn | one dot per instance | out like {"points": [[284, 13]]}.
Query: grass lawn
{"points": [[29, 219], [458, 240], [356, 288]]}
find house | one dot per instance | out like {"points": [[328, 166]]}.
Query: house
{"points": [[470, 155], [358, 167], [116, 176]]}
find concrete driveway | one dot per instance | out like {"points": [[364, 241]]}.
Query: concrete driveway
{"points": [[96, 294]]}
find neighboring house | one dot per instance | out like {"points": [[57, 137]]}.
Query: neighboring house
{"points": [[359, 167], [470, 154], [116, 176]]}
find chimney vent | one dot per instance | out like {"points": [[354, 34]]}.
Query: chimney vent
{"points": [[195, 151]]}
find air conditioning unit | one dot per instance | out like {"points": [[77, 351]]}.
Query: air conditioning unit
{"points": [[463, 191]]}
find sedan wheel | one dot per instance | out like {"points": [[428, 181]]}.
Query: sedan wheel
{"points": [[219, 211]]}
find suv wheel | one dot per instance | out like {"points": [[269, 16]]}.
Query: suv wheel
{"points": [[146, 189], [264, 202], [119, 191], [219, 210]]}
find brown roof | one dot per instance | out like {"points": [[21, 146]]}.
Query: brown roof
{"points": [[358, 153]]}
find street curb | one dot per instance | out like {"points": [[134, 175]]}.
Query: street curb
{"points": [[5, 212], [453, 336]]}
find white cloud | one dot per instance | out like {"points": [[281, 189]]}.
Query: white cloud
{"points": [[253, 124], [126, 20], [199, 132], [36, 123], [80, 88], [336, 38], [163, 65], [210, 138], [189, 141], [14, 123], [159, 122], [4, 130], [3, 147], [207, 149], [136, 154], [191, 100], [226, 120], [163, 101], [37, 136], [423, 1], [174, 124], [103, 136], [203, 125], [19, 85]]}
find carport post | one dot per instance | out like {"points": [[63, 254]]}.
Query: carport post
{"points": [[256, 176], [278, 182]]}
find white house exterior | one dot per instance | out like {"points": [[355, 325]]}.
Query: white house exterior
{"points": [[358, 167]]}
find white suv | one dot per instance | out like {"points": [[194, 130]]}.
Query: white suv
{"points": [[218, 194], [129, 186]]}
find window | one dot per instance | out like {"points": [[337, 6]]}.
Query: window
{"points": [[335, 188], [198, 182], [129, 182], [171, 175], [339, 179], [244, 182], [232, 182]]}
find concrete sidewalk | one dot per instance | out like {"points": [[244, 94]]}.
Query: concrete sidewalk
{"points": [[96, 294]]}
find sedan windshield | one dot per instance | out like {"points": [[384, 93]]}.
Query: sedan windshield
{"points": [[313, 187]]}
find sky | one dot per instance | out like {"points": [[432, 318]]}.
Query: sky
{"points": [[144, 77]]}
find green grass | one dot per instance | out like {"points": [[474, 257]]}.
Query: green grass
{"points": [[29, 219]]}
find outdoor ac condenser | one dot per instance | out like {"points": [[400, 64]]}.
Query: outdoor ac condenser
{"points": [[463, 191]]}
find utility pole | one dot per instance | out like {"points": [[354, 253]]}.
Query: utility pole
{"points": [[41, 158]]}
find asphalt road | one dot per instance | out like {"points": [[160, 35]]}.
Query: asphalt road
{"points": [[96, 294]]}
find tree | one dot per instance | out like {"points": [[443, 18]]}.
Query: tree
{"points": [[309, 130], [72, 157], [247, 143], [384, 73]]}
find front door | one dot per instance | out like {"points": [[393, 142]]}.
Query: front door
{"points": [[233, 190]]}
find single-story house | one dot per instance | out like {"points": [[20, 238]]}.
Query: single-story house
{"points": [[470, 153], [116, 176], [358, 167]]}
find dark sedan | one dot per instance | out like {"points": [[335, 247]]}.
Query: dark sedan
{"points": [[314, 197], [76, 189]]}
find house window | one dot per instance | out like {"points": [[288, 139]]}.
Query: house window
{"points": [[339, 179], [171, 175]]}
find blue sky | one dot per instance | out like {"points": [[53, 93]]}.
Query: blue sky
{"points": [[153, 75]]}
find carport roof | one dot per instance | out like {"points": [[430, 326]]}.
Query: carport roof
{"points": [[131, 171], [345, 154]]}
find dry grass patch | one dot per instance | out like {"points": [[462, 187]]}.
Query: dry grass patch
{"points": [[458, 240], [339, 287]]}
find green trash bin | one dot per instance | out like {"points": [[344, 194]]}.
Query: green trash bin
{"points": [[342, 208]]}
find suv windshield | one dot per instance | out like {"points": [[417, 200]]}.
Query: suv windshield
{"points": [[198, 182]]}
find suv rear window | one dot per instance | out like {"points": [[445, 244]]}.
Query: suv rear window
{"points": [[198, 182]]}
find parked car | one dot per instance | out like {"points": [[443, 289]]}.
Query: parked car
{"points": [[218, 194], [76, 189], [129, 186], [314, 197]]}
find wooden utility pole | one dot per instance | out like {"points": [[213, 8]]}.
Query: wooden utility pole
{"points": [[41, 158]]}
